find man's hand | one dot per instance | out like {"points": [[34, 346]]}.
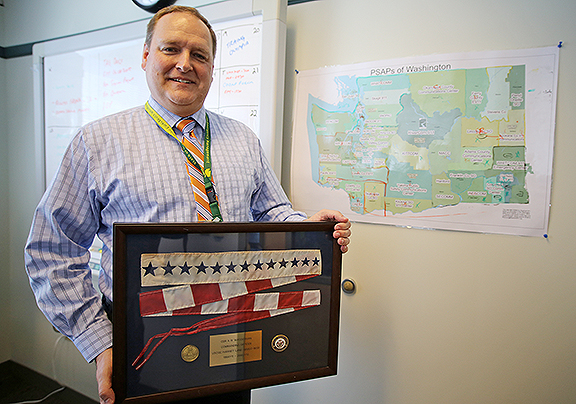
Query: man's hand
{"points": [[342, 230], [104, 377]]}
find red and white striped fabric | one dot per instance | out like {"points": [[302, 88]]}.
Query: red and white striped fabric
{"points": [[232, 295], [168, 300], [256, 302], [248, 272]]}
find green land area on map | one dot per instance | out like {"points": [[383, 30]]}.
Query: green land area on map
{"points": [[416, 141]]}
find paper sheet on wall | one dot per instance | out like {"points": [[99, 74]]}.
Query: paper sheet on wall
{"points": [[457, 141]]}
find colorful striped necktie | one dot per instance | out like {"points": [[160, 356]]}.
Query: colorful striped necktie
{"points": [[196, 176]]}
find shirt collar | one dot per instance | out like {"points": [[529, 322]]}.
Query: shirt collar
{"points": [[171, 118]]}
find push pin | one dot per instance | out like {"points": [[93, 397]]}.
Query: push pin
{"points": [[348, 286]]}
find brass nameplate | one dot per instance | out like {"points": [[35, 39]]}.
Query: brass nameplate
{"points": [[226, 349]]}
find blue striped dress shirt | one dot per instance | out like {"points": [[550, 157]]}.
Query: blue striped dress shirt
{"points": [[124, 168]]}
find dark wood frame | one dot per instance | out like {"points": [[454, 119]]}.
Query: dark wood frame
{"points": [[124, 233]]}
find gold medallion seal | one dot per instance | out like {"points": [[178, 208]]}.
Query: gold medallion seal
{"points": [[280, 343], [190, 353]]}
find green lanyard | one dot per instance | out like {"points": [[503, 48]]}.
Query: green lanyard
{"points": [[207, 171]]}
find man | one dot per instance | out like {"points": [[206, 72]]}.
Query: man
{"points": [[130, 167]]}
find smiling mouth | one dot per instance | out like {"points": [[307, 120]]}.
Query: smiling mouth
{"points": [[182, 81]]}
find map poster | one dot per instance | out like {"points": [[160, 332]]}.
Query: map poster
{"points": [[455, 142]]}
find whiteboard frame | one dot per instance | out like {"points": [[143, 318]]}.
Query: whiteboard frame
{"points": [[272, 68]]}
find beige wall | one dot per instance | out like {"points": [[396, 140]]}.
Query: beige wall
{"points": [[439, 317], [4, 228], [4, 236]]}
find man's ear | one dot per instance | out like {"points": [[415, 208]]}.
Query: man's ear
{"points": [[145, 53]]}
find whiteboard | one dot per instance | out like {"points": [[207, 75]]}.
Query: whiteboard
{"points": [[88, 76]]}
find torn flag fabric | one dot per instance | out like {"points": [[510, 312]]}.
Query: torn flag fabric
{"points": [[224, 283]]}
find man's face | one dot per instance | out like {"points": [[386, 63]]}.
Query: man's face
{"points": [[179, 63]]}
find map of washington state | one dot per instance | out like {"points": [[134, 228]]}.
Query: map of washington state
{"points": [[416, 141]]}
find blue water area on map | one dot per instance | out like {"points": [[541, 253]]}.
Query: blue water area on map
{"points": [[348, 90]]}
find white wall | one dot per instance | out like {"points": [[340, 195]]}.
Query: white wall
{"points": [[439, 317]]}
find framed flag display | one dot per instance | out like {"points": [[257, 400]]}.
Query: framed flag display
{"points": [[210, 308]]}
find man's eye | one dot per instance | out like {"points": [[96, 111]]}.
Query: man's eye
{"points": [[169, 50]]}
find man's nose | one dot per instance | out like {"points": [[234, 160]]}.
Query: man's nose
{"points": [[183, 63]]}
